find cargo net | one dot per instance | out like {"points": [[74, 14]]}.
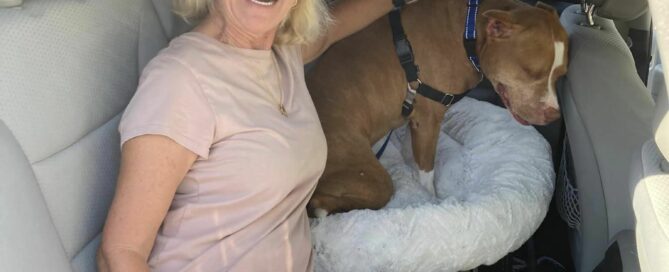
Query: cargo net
{"points": [[566, 190]]}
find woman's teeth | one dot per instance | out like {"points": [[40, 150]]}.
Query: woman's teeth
{"points": [[264, 2]]}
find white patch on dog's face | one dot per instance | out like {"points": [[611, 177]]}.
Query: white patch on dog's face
{"points": [[551, 96]]}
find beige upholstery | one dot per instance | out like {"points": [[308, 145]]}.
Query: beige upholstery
{"points": [[650, 189], [69, 68], [651, 207]]}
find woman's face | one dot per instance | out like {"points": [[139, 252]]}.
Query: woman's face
{"points": [[255, 16]]}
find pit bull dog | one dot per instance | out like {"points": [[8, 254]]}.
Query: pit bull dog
{"points": [[358, 87]]}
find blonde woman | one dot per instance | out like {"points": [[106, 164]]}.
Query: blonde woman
{"points": [[221, 144]]}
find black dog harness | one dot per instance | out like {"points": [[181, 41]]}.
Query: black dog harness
{"points": [[405, 54]]}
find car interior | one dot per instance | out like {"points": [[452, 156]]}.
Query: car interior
{"points": [[68, 68]]}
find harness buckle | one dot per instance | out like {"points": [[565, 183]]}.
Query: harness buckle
{"points": [[470, 48], [443, 100], [403, 50], [411, 93], [407, 105]]}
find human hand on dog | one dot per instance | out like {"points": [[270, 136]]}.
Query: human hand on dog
{"points": [[349, 16]]}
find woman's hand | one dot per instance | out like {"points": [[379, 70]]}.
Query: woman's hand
{"points": [[152, 167], [349, 16]]}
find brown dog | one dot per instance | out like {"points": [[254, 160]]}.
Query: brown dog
{"points": [[358, 87]]}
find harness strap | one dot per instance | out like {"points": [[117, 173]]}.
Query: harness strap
{"points": [[469, 40], [445, 99], [403, 47], [385, 144], [405, 55], [399, 3]]}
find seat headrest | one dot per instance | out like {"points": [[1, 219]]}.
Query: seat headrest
{"points": [[624, 10], [10, 3]]}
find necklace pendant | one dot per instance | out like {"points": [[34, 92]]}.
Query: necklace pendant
{"points": [[283, 111]]}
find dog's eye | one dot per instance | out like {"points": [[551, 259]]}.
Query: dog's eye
{"points": [[532, 74]]}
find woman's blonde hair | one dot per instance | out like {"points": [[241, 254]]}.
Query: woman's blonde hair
{"points": [[305, 22]]}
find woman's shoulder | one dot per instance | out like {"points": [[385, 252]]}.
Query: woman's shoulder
{"points": [[175, 68], [183, 50]]}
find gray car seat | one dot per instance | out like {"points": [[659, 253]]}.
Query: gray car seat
{"points": [[650, 181], [607, 113], [67, 70]]}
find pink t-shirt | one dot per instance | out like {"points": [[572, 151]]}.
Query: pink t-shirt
{"points": [[241, 207]]}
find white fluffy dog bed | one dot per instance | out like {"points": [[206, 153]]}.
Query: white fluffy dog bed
{"points": [[495, 181]]}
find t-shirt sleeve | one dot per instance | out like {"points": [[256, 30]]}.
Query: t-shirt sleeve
{"points": [[170, 102]]}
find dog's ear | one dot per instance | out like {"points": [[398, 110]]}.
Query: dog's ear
{"points": [[501, 24], [547, 7]]}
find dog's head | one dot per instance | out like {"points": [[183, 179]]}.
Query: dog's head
{"points": [[525, 52]]}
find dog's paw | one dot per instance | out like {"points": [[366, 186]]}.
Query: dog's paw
{"points": [[427, 180], [320, 213]]}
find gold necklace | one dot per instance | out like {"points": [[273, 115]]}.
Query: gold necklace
{"points": [[279, 80], [267, 85]]}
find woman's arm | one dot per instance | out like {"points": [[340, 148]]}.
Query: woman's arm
{"points": [[349, 16], [152, 168]]}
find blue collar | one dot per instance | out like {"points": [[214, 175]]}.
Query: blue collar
{"points": [[470, 33]]}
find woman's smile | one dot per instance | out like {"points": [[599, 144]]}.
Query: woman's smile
{"points": [[266, 3]]}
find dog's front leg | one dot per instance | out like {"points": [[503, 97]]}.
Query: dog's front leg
{"points": [[427, 180]]}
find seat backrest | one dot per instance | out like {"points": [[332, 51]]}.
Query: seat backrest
{"points": [[172, 24], [607, 113], [650, 183], [67, 70], [621, 10]]}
